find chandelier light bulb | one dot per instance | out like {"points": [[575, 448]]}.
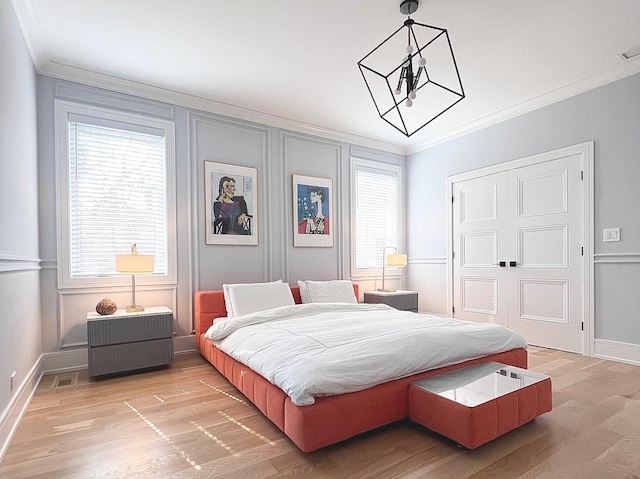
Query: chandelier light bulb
{"points": [[397, 92], [412, 95], [422, 62], [409, 49], [409, 103]]}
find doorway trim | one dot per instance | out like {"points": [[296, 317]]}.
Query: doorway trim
{"points": [[587, 151]]}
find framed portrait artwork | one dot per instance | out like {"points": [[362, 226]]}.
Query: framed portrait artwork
{"points": [[230, 204], [313, 223]]}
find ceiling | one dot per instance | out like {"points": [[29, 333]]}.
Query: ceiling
{"points": [[293, 63]]}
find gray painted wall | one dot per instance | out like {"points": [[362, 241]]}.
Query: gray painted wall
{"points": [[610, 116], [275, 153], [20, 340]]}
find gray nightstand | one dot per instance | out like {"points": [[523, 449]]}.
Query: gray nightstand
{"points": [[400, 299], [125, 341]]}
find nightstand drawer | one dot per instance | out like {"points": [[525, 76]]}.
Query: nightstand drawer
{"points": [[118, 358], [401, 299], [128, 330]]}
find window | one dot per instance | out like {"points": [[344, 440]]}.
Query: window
{"points": [[115, 172], [377, 213]]}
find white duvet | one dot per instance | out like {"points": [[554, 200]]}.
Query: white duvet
{"points": [[313, 350]]}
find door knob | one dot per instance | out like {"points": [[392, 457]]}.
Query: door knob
{"points": [[513, 264], [502, 264]]}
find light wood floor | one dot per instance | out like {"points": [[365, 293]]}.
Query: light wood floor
{"points": [[186, 421]]}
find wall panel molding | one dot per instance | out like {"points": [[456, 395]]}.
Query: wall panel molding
{"points": [[333, 171], [12, 264], [427, 260], [616, 258], [49, 264], [210, 138]]}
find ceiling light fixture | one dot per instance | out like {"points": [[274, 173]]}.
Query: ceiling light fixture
{"points": [[411, 94]]}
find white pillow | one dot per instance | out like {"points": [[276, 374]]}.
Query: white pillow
{"points": [[337, 291], [304, 292], [248, 298], [227, 299]]}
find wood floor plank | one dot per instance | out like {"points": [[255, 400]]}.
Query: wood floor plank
{"points": [[187, 421]]}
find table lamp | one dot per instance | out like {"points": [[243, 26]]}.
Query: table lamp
{"points": [[133, 264], [393, 260]]}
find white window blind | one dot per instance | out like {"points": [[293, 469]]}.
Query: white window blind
{"points": [[117, 195], [377, 213]]}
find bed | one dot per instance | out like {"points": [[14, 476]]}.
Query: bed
{"points": [[330, 418]]}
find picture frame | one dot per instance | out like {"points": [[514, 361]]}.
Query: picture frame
{"points": [[313, 211], [231, 204]]}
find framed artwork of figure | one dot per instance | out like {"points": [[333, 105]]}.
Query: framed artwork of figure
{"points": [[230, 204], [313, 209]]}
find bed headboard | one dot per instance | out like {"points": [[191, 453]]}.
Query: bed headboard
{"points": [[208, 305]]}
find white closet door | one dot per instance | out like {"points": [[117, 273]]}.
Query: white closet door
{"points": [[480, 236], [517, 239], [545, 286]]}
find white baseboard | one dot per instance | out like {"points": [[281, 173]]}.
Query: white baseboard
{"points": [[617, 351], [12, 415], [64, 360]]}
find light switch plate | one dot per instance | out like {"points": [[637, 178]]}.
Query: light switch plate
{"points": [[611, 234]]}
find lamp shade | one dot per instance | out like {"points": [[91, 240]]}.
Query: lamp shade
{"points": [[396, 260], [134, 263]]}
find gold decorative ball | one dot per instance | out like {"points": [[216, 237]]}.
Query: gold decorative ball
{"points": [[106, 306]]}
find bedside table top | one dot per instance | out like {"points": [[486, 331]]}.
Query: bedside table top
{"points": [[121, 313], [401, 299], [398, 292]]}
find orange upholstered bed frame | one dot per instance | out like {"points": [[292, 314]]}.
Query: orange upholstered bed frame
{"points": [[330, 419]]}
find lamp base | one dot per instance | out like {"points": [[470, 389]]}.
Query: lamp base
{"points": [[134, 309], [382, 290]]}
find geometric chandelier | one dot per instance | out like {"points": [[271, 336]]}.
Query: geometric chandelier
{"points": [[423, 85]]}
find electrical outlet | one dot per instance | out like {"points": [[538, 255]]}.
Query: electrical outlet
{"points": [[13, 376]]}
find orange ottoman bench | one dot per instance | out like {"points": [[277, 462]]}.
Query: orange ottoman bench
{"points": [[476, 404]]}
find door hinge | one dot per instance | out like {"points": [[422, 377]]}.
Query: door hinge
{"points": [[582, 250], [582, 175], [453, 254], [582, 327], [453, 309], [451, 199]]}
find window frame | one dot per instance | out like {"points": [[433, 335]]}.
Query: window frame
{"points": [[66, 111], [386, 169]]}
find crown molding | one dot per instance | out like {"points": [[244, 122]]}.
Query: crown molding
{"points": [[99, 80], [121, 85], [31, 26], [628, 68]]}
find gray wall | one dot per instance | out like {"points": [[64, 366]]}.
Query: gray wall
{"points": [[610, 116], [275, 153], [20, 340]]}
